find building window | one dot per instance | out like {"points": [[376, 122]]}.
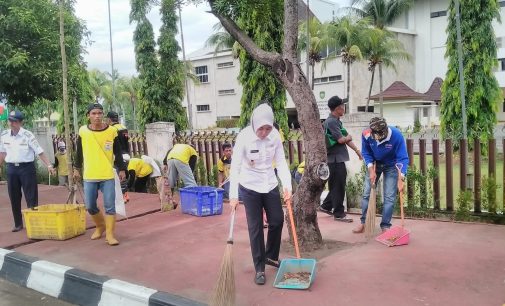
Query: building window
{"points": [[225, 65], [502, 3], [438, 14], [501, 64], [225, 92], [203, 108], [330, 79], [426, 112], [202, 74]]}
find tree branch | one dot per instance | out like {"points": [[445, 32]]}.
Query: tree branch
{"points": [[290, 29], [258, 54]]}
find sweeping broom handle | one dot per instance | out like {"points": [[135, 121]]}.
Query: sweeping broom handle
{"points": [[232, 223], [293, 229], [400, 190]]}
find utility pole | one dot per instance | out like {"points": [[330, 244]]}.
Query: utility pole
{"points": [[190, 110], [111, 58]]}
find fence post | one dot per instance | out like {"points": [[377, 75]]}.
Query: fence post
{"points": [[463, 156], [291, 153], [492, 158], [422, 161], [436, 179], [477, 174], [410, 184], [448, 175], [207, 156]]}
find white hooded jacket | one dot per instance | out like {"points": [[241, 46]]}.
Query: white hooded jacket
{"points": [[251, 164]]}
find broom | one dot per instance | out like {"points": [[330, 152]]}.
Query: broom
{"points": [[224, 292], [371, 211]]}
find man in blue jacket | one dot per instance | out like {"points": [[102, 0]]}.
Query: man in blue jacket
{"points": [[382, 146]]}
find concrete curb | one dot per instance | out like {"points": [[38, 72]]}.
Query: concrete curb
{"points": [[80, 287]]}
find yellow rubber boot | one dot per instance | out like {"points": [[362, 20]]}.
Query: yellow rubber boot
{"points": [[100, 226], [110, 224]]}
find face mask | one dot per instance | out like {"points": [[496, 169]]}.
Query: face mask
{"points": [[380, 135]]}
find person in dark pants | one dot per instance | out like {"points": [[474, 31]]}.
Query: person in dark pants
{"points": [[138, 174], [337, 156], [122, 135], [18, 148], [252, 174]]}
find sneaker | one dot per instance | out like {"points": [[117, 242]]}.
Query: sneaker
{"points": [[17, 228], [344, 218], [384, 229], [273, 263], [259, 279], [326, 211]]}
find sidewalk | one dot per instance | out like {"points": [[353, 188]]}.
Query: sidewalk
{"points": [[445, 264]]}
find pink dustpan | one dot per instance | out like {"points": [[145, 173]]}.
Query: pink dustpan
{"points": [[395, 236]]}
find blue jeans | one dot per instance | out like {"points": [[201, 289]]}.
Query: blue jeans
{"points": [[109, 196], [390, 192]]}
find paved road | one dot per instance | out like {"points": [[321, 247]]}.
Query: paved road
{"points": [[14, 295]]}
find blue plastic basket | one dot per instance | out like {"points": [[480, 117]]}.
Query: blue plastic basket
{"points": [[295, 266], [202, 201]]}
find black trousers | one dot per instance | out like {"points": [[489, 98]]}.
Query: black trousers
{"points": [[254, 203], [141, 184], [21, 176], [336, 185]]}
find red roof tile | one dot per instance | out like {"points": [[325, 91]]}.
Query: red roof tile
{"points": [[399, 91], [434, 93]]}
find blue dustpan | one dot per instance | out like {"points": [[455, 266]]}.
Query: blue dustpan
{"points": [[295, 273]]}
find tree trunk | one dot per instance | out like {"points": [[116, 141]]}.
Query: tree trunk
{"points": [[380, 89], [65, 97], [286, 68], [370, 90]]}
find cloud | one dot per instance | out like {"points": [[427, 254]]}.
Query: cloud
{"points": [[197, 27]]}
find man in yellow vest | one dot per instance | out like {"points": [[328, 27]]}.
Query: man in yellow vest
{"points": [[122, 134], [60, 163], [98, 151], [138, 174], [181, 162]]}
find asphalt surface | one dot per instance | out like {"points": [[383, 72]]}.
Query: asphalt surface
{"points": [[14, 295]]}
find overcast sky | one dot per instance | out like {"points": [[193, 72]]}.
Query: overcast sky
{"points": [[197, 25]]}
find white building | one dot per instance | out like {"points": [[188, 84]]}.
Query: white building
{"points": [[422, 32]]}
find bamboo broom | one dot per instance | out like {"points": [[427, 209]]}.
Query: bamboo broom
{"points": [[224, 292]]}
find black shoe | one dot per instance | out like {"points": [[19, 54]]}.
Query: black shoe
{"points": [[343, 218], [259, 279], [326, 211], [273, 263], [17, 228]]}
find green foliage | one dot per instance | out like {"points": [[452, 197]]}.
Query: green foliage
{"points": [[417, 126], [213, 176], [488, 196], [201, 173], [262, 21], [464, 201], [381, 12], [422, 201], [354, 188], [483, 93], [227, 123], [161, 73], [30, 58]]}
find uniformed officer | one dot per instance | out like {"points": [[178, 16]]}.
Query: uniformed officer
{"points": [[18, 148]]}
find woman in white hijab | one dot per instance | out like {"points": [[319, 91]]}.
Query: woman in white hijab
{"points": [[256, 147]]}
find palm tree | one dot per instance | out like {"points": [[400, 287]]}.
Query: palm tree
{"points": [[97, 80], [381, 12], [347, 35], [382, 48], [318, 42], [129, 89], [222, 40]]}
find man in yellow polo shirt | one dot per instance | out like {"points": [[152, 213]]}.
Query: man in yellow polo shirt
{"points": [[138, 174], [223, 168], [181, 162], [98, 150]]}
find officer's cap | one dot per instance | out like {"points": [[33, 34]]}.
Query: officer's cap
{"points": [[16, 115]]}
